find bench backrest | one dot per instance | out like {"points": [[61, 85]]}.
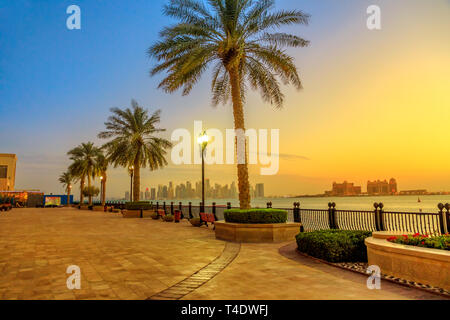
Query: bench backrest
{"points": [[207, 217]]}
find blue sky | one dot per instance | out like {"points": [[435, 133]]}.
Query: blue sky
{"points": [[57, 85]]}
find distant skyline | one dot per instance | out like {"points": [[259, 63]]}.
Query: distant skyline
{"points": [[375, 103]]}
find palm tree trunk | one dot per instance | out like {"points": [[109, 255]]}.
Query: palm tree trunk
{"points": [[68, 196], [239, 123], [104, 189], [81, 190], [89, 188], [137, 178]]}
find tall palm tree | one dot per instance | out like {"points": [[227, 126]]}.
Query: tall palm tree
{"points": [[135, 142], [239, 36], [84, 165], [66, 180], [102, 167]]}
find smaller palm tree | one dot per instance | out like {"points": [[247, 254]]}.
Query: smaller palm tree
{"points": [[84, 165], [66, 179], [135, 143]]}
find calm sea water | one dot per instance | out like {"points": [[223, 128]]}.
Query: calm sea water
{"points": [[391, 203]]}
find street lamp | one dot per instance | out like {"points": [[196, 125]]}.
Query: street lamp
{"points": [[101, 189], [131, 171], [203, 140]]}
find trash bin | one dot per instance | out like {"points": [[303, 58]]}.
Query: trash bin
{"points": [[177, 216]]}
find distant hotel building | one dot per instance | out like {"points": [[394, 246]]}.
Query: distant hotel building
{"points": [[7, 171], [376, 188], [344, 189]]}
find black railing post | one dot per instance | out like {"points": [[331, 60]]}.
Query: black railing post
{"points": [[228, 205], [164, 207], [202, 207], [332, 215], [190, 211], [442, 218], [377, 224], [269, 205], [214, 210], [171, 208], [297, 217], [447, 207], [380, 216], [157, 205]]}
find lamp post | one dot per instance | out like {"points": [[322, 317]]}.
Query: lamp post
{"points": [[203, 140], [131, 171], [101, 190], [70, 191]]}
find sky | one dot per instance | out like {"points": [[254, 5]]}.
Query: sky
{"points": [[375, 103]]}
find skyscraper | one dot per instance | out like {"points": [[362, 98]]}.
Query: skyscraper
{"points": [[259, 190]]}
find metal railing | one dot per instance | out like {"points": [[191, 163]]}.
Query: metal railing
{"points": [[430, 223]]}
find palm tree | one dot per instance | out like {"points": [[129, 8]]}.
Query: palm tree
{"points": [[239, 36], [102, 167], [134, 142], [84, 165], [66, 180]]}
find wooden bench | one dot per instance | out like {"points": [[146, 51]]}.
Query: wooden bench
{"points": [[161, 213], [207, 217]]}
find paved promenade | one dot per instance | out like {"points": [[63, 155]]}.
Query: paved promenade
{"points": [[139, 258]]}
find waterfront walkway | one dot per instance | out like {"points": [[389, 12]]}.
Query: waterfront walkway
{"points": [[142, 258]]}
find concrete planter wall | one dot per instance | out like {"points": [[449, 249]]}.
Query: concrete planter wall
{"points": [[83, 207], [422, 265], [257, 233], [133, 214], [98, 208]]}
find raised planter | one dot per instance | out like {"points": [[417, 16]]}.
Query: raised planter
{"points": [[84, 207], [421, 265], [137, 213], [256, 233], [98, 208]]}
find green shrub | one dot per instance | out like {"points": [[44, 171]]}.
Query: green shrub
{"points": [[424, 241], [334, 245], [154, 216], [255, 216], [144, 205], [168, 218]]}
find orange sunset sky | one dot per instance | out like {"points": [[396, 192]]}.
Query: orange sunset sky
{"points": [[375, 105]]}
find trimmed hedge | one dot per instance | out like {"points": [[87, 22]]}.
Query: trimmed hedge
{"points": [[138, 205], [255, 216], [334, 245]]}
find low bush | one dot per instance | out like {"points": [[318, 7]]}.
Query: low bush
{"points": [[424, 241], [138, 205], [334, 245], [195, 222], [168, 218], [255, 216], [154, 216]]}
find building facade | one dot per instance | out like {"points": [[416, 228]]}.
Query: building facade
{"points": [[259, 190], [7, 171], [384, 187], [344, 189]]}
